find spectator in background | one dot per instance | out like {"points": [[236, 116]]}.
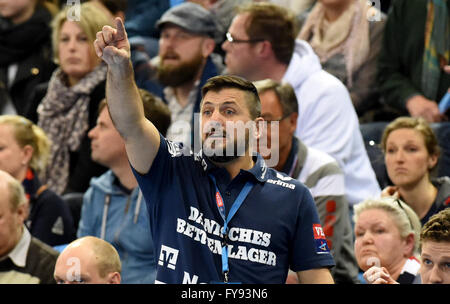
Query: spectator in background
{"points": [[185, 45], [435, 243], [24, 153], [315, 169], [113, 207], [387, 237], [98, 263], [295, 6], [261, 44], [141, 17], [23, 258], [411, 152], [25, 53], [347, 37], [415, 51], [70, 105], [223, 12], [116, 8]]}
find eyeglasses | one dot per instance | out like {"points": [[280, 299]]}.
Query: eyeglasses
{"points": [[233, 40], [269, 121]]}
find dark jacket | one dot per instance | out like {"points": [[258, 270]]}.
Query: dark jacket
{"points": [[50, 219], [442, 200], [400, 62], [35, 68], [40, 262]]}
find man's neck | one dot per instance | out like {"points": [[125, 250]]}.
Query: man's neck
{"points": [[182, 93], [125, 175], [274, 71], [234, 167], [283, 156]]}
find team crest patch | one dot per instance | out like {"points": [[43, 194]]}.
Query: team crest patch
{"points": [[320, 239]]}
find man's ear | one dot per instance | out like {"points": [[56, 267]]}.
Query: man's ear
{"points": [[293, 122], [265, 49], [258, 127], [208, 47], [23, 211], [114, 278]]}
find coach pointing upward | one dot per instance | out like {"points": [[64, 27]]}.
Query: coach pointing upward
{"points": [[219, 215]]}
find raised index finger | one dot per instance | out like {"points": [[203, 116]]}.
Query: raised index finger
{"points": [[121, 33]]}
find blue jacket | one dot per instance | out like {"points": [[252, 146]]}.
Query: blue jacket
{"points": [[127, 226]]}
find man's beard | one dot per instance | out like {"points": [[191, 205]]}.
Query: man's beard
{"points": [[223, 155], [173, 76]]}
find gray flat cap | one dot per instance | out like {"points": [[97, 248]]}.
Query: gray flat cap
{"points": [[191, 17]]}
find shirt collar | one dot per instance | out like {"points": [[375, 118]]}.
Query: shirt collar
{"points": [[19, 254], [259, 170], [169, 93]]}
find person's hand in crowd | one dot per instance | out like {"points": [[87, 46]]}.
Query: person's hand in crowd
{"points": [[390, 191], [419, 106], [378, 275], [447, 69], [112, 44]]}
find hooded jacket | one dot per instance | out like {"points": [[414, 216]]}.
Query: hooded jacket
{"points": [[122, 220], [327, 121]]}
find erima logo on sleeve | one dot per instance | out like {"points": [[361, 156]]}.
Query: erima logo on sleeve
{"points": [[320, 240], [282, 181]]}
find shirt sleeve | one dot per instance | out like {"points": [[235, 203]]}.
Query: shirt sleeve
{"points": [[159, 178], [310, 249]]}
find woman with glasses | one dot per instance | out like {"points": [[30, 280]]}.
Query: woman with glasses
{"points": [[386, 241], [411, 152]]}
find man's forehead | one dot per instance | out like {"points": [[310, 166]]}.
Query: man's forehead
{"points": [[229, 95], [433, 246], [174, 27]]}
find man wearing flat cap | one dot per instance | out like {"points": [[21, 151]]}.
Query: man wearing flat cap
{"points": [[187, 33]]}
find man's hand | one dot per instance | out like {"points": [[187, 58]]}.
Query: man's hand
{"points": [[419, 106], [112, 45], [378, 275]]}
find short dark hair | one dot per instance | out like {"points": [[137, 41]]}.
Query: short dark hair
{"points": [[273, 23], [437, 228], [284, 91], [155, 110], [221, 82]]}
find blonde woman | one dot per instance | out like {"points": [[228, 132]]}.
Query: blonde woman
{"points": [[69, 109], [24, 152], [387, 241], [411, 152]]}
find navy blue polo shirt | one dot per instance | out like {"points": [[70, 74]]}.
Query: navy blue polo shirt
{"points": [[276, 228]]}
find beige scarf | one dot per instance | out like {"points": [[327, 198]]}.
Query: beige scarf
{"points": [[348, 35]]}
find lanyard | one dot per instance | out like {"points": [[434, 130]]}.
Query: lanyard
{"points": [[234, 208]]}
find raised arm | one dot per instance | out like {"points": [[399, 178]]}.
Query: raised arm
{"points": [[124, 102]]}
